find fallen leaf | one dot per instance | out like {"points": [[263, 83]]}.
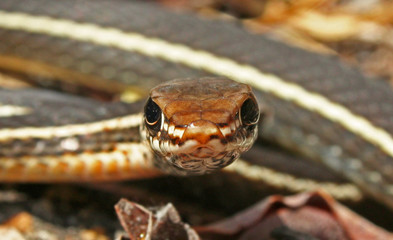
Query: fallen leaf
{"points": [[311, 215]]}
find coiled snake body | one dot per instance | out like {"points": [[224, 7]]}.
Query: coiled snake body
{"points": [[321, 108]]}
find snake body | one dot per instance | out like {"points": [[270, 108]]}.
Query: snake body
{"points": [[321, 108]]}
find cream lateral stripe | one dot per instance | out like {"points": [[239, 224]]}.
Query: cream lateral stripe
{"points": [[12, 110], [134, 155], [204, 60], [71, 130], [282, 180]]}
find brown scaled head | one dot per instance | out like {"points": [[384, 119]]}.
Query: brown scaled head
{"points": [[199, 125]]}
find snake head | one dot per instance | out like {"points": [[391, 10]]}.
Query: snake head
{"points": [[196, 126]]}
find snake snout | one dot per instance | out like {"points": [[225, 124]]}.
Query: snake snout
{"points": [[206, 138], [202, 131]]}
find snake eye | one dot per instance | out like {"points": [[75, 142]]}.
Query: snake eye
{"points": [[249, 112], [152, 116]]}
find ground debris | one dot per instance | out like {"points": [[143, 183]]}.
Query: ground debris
{"points": [[24, 226], [155, 223]]}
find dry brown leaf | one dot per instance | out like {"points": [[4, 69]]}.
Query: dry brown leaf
{"points": [[315, 215]]}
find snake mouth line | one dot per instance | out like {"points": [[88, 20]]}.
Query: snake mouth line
{"points": [[203, 152]]}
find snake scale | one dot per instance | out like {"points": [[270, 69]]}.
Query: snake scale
{"points": [[321, 108]]}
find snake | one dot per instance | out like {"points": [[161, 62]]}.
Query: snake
{"points": [[312, 105]]}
